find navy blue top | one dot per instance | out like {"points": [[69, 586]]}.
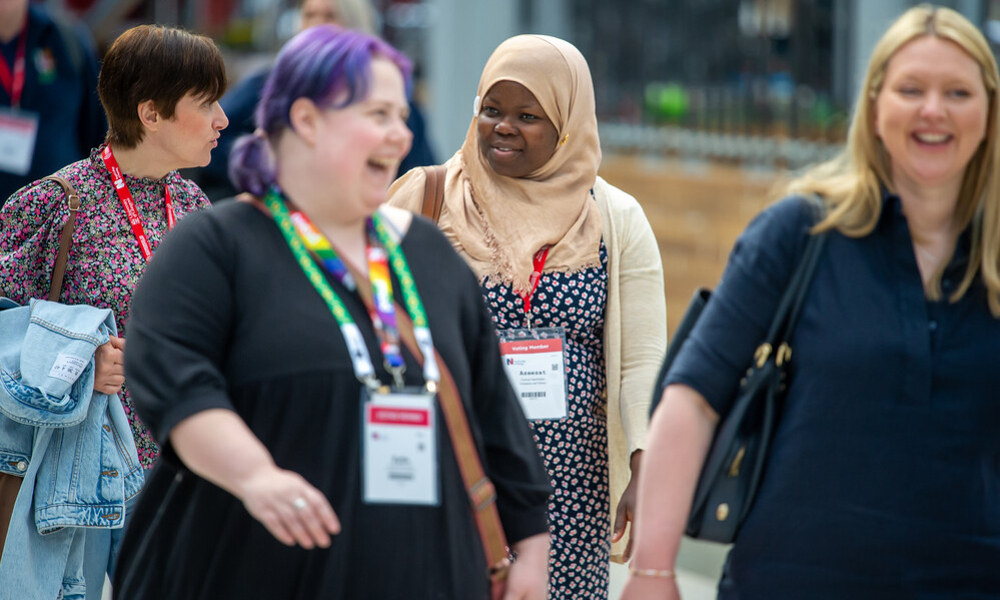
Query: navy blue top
{"points": [[60, 86], [884, 479]]}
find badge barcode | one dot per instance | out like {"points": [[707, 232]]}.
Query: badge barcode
{"points": [[532, 394]]}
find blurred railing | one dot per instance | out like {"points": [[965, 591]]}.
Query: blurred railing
{"points": [[744, 149]]}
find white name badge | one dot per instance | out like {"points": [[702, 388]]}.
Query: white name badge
{"points": [[18, 130], [400, 449], [536, 367]]}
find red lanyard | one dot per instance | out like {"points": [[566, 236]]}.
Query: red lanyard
{"points": [[126, 197], [536, 276], [14, 84]]}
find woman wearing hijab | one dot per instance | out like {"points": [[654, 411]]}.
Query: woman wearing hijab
{"points": [[309, 443], [571, 273]]}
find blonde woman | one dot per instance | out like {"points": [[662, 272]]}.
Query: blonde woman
{"points": [[884, 476]]}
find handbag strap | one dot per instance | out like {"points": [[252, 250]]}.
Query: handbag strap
{"points": [[794, 297], [433, 192], [481, 491], [65, 238]]}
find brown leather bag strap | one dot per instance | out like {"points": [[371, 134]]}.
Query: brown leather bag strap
{"points": [[65, 239], [433, 192]]}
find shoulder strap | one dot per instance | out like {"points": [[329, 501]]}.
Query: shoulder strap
{"points": [[482, 493], [795, 294], [433, 192], [65, 239]]}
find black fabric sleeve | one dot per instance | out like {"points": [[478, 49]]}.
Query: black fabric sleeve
{"points": [[512, 462], [738, 314], [180, 325]]}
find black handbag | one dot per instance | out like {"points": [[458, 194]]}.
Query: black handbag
{"points": [[734, 466]]}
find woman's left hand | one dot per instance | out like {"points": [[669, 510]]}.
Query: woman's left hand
{"points": [[528, 578], [626, 507]]}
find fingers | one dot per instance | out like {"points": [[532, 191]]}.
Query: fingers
{"points": [[627, 555], [110, 386], [292, 510], [312, 520], [621, 520], [109, 368], [275, 525], [117, 342]]}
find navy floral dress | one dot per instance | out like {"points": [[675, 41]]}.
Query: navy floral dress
{"points": [[575, 449]]}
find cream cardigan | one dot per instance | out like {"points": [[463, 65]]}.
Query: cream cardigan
{"points": [[635, 322]]}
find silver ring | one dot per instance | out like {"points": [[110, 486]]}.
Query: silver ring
{"points": [[300, 503]]}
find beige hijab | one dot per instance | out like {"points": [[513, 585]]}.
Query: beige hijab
{"points": [[498, 223]]}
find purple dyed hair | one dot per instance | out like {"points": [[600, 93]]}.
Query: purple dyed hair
{"points": [[320, 63]]}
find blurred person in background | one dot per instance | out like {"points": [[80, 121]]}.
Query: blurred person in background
{"points": [[568, 261], [50, 114], [260, 360], [160, 88], [883, 479], [241, 101]]}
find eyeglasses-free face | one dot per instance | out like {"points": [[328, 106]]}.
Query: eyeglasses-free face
{"points": [[516, 137]]}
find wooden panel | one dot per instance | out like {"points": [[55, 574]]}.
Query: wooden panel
{"points": [[696, 210]]}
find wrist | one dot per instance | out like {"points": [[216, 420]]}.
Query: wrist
{"points": [[246, 481], [530, 547], [652, 573]]}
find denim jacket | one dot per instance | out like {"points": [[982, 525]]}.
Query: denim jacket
{"points": [[72, 445]]}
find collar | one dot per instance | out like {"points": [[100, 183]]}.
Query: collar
{"points": [[891, 218], [172, 178]]}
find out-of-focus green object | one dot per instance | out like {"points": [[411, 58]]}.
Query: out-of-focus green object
{"points": [[239, 34], [666, 101]]}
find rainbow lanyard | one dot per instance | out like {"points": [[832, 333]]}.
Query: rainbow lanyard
{"points": [[308, 246]]}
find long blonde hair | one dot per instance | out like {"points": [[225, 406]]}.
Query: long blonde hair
{"points": [[851, 183]]}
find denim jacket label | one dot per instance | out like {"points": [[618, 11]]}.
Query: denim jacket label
{"points": [[68, 367]]}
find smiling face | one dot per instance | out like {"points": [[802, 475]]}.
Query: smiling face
{"points": [[189, 136], [931, 113], [361, 145], [516, 137]]}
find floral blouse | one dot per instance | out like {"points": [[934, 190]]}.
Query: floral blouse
{"points": [[105, 262]]}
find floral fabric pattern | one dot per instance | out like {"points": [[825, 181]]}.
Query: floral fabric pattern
{"points": [[104, 263], [575, 449]]}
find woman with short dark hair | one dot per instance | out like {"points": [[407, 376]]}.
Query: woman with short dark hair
{"points": [[159, 87]]}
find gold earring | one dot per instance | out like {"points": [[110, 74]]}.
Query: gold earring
{"points": [[563, 141]]}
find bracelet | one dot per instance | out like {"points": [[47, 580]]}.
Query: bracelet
{"points": [[655, 573]]}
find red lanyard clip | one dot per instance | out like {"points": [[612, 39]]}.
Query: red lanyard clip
{"points": [[536, 276]]}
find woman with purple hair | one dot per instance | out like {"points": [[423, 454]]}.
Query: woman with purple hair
{"points": [[304, 451]]}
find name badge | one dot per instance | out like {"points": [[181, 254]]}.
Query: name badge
{"points": [[18, 130], [400, 449], [536, 366]]}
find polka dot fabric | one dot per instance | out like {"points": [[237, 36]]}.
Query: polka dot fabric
{"points": [[575, 449], [104, 263]]}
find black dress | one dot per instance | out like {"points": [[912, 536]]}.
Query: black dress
{"points": [[884, 478], [224, 318]]}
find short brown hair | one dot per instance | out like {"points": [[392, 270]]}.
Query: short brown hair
{"points": [[162, 64]]}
